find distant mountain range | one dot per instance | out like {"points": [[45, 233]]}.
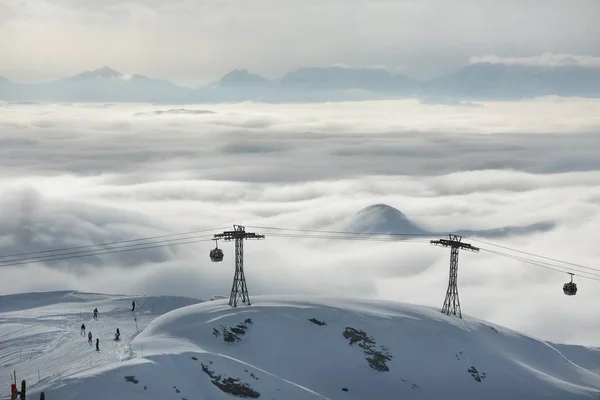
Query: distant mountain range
{"points": [[481, 81]]}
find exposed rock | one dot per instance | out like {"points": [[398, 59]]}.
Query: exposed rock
{"points": [[230, 385], [478, 376], [233, 334], [377, 359]]}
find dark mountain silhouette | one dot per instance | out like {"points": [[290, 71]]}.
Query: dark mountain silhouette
{"points": [[381, 218], [313, 84], [243, 78], [385, 219], [505, 82]]}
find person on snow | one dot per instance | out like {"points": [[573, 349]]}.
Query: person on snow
{"points": [[95, 313], [97, 344], [117, 335], [133, 305], [90, 336], [82, 329]]}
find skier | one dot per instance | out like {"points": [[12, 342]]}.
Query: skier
{"points": [[95, 313], [97, 344], [82, 329], [117, 335], [133, 305], [90, 337]]}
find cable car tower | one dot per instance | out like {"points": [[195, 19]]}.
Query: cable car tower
{"points": [[239, 289], [452, 303]]}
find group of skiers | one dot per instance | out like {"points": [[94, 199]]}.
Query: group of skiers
{"points": [[95, 316]]}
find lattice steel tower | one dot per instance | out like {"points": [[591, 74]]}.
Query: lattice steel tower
{"points": [[452, 302], [239, 289]]}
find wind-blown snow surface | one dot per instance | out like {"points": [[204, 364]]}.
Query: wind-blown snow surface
{"points": [[300, 348]]}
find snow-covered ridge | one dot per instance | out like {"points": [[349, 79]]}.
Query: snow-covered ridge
{"points": [[288, 347]]}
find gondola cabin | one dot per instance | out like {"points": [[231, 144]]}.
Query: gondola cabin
{"points": [[216, 255], [570, 288]]}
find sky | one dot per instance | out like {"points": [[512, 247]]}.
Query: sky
{"points": [[197, 41], [80, 174]]}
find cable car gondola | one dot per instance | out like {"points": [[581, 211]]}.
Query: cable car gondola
{"points": [[570, 288], [216, 254]]}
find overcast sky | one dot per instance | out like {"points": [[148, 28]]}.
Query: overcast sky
{"points": [[194, 41], [85, 174]]}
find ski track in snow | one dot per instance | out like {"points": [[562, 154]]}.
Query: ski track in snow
{"points": [[44, 345], [273, 375]]}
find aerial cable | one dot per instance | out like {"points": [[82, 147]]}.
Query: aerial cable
{"points": [[108, 243], [301, 234], [347, 232], [105, 248], [543, 265], [342, 237], [99, 252], [535, 255]]}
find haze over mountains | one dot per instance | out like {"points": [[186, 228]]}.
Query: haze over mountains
{"points": [[475, 81]]}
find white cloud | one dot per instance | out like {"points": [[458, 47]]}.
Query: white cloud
{"points": [[79, 174], [544, 60]]}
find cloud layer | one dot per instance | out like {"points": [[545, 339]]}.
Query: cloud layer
{"points": [[544, 60], [82, 174]]}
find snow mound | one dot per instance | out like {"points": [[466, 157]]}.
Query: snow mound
{"points": [[286, 347], [382, 218]]}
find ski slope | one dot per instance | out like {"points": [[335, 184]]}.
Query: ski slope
{"points": [[282, 347], [40, 333]]}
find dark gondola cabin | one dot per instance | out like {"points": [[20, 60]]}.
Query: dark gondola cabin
{"points": [[570, 288], [216, 255]]}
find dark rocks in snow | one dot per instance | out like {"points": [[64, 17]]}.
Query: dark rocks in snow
{"points": [[377, 359], [317, 322], [132, 379], [233, 334], [230, 385], [478, 376], [194, 358], [344, 389]]}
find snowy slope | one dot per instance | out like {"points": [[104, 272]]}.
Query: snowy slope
{"points": [[40, 332], [300, 348]]}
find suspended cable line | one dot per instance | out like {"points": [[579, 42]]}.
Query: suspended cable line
{"points": [[100, 252], [535, 255], [595, 277], [105, 248], [153, 242], [348, 233], [109, 243]]}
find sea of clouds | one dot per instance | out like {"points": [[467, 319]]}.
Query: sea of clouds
{"points": [[81, 174]]}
